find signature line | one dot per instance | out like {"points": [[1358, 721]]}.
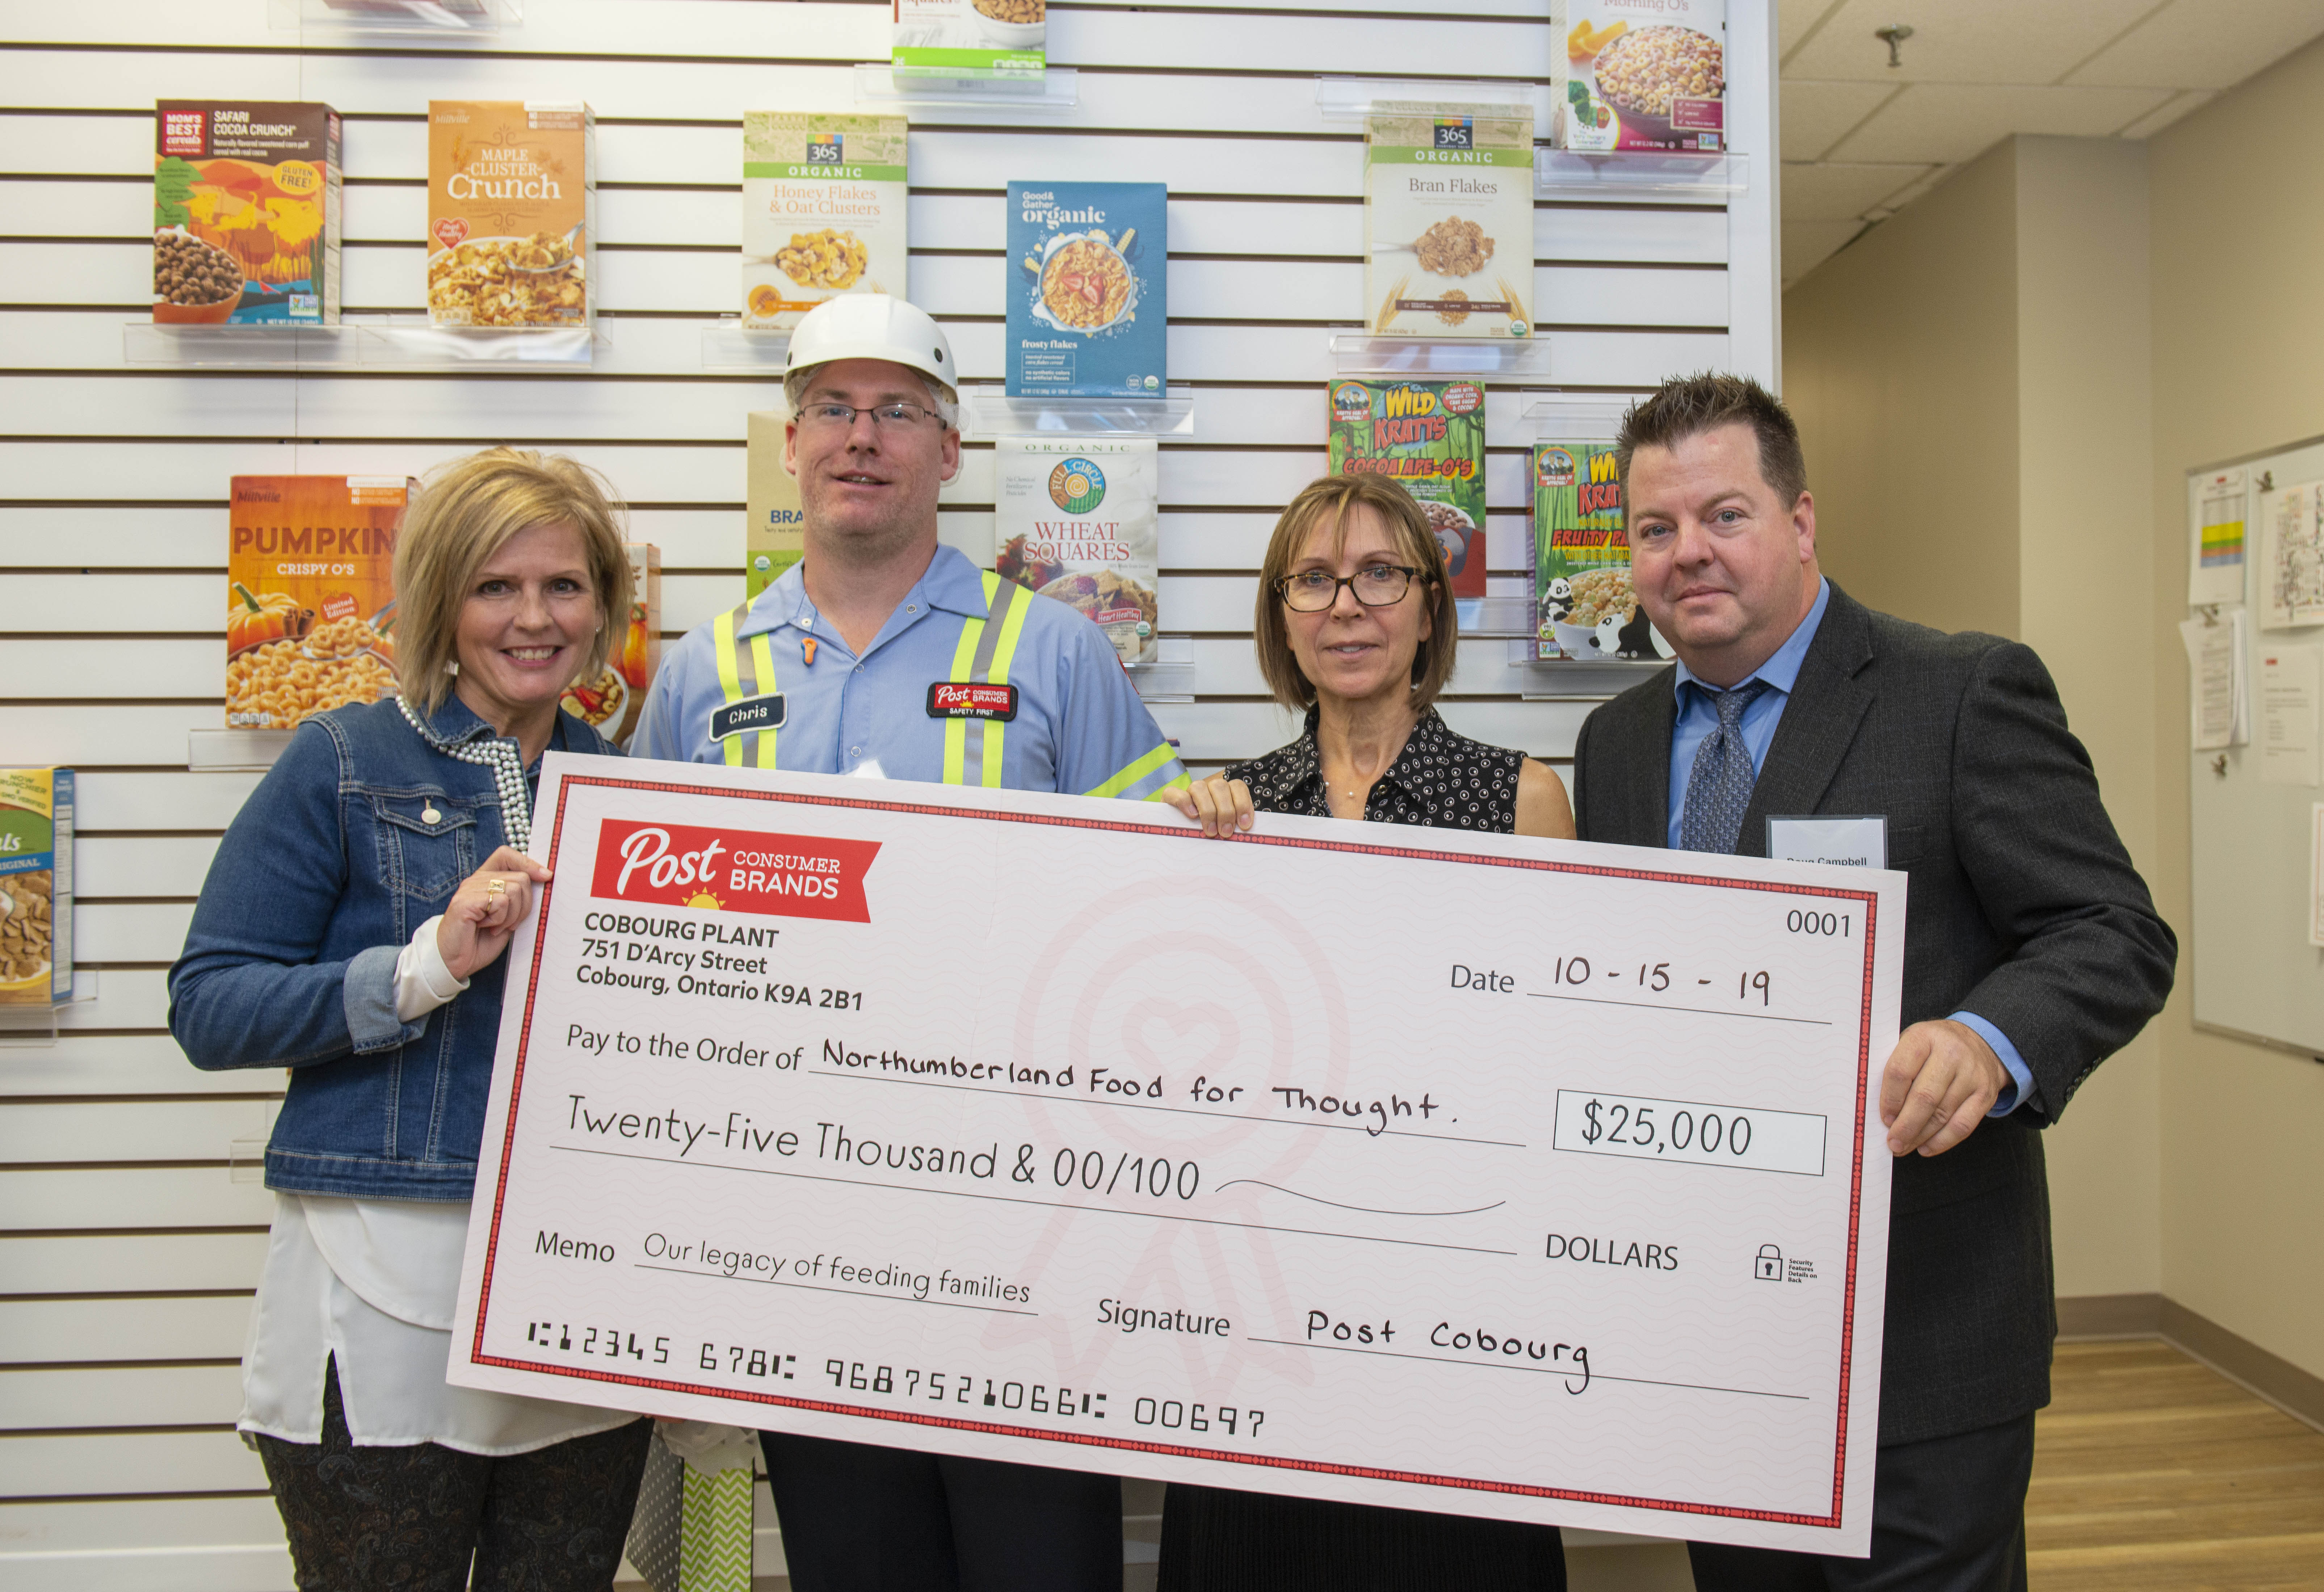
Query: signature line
{"points": [[1706, 1011], [1397, 1354], [819, 1288]]}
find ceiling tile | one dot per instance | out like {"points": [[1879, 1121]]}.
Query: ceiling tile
{"points": [[2154, 122], [1808, 243], [1817, 114], [1905, 195], [1967, 40], [1841, 193], [1945, 121], [2206, 43], [1796, 19]]}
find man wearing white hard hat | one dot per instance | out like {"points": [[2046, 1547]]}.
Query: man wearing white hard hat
{"points": [[857, 660]]}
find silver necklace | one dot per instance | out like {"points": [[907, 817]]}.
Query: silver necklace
{"points": [[508, 776]]}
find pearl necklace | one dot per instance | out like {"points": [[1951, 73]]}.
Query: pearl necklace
{"points": [[508, 776]]}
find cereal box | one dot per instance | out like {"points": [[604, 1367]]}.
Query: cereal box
{"points": [[1076, 520], [612, 701], [511, 213], [1429, 438], [968, 39], [1448, 222], [774, 538], [1639, 74], [1088, 299], [36, 886], [245, 213], [310, 594], [1583, 605], [822, 212]]}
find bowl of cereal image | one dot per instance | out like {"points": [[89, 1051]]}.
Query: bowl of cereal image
{"points": [[1596, 595], [1083, 282], [541, 280], [1013, 24], [1643, 73], [1455, 532], [195, 283]]}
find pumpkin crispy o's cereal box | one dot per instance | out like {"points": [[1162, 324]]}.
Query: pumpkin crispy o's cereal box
{"points": [[245, 213], [511, 213], [310, 594], [612, 702]]}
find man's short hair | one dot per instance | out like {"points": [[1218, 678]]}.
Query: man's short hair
{"points": [[940, 397], [1689, 406]]}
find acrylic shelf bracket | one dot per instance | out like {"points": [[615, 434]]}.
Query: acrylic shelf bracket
{"points": [[987, 412], [1665, 174], [1351, 99], [1053, 92], [1483, 359], [389, 342], [727, 346], [441, 20]]}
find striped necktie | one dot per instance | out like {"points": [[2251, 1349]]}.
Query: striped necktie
{"points": [[1719, 785]]}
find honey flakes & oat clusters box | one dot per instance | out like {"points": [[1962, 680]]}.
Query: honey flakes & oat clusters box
{"points": [[822, 212]]}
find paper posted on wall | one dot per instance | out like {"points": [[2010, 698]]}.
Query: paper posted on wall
{"points": [[2291, 556], [2218, 505], [2219, 681], [2287, 700], [2316, 874]]}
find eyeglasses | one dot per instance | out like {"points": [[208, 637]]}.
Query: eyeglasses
{"points": [[1376, 585], [840, 417]]}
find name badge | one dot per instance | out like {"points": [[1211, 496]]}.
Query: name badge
{"points": [[753, 712], [1845, 842], [949, 699]]}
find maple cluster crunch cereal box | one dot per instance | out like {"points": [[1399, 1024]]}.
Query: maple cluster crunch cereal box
{"points": [[245, 213], [36, 886], [511, 213], [1429, 438], [1448, 222], [822, 212], [310, 591]]}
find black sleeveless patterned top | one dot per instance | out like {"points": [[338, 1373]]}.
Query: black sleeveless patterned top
{"points": [[1440, 780]]}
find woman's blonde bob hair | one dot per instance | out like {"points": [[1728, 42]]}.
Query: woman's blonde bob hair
{"points": [[466, 513], [1330, 500]]}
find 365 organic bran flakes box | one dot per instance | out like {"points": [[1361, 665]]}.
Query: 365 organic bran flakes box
{"points": [[36, 886], [1639, 74], [822, 212], [1076, 520], [511, 213], [1429, 438], [245, 213], [1448, 222], [310, 590]]}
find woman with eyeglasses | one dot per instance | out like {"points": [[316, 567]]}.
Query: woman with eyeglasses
{"points": [[1355, 624]]}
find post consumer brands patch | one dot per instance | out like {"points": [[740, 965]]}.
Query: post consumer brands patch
{"points": [[753, 712], [733, 871], [950, 699]]}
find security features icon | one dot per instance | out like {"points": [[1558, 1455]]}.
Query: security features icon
{"points": [[1768, 1267]]}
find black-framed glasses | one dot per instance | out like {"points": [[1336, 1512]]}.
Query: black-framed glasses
{"points": [[1376, 585], [841, 416]]}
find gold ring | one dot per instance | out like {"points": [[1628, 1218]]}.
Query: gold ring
{"points": [[498, 886]]}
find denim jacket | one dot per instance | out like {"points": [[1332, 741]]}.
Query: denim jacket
{"points": [[356, 836]]}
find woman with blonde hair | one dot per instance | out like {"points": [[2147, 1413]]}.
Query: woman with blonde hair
{"points": [[351, 930], [1355, 626]]}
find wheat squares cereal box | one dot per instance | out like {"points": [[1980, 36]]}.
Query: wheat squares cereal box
{"points": [[1076, 520]]}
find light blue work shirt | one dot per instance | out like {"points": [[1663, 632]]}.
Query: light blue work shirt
{"points": [[1698, 716], [1079, 726]]}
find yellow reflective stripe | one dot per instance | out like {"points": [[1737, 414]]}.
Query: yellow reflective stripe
{"points": [[956, 763], [729, 681], [1157, 757], [1011, 627], [763, 653]]}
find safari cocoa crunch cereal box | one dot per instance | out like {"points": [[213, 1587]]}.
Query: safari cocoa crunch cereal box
{"points": [[1448, 222], [1639, 74], [822, 212], [1429, 438], [511, 213], [245, 213], [36, 886], [310, 594]]}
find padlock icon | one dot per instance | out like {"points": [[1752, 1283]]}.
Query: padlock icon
{"points": [[1768, 1267]]}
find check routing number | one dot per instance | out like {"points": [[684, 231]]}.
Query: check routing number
{"points": [[1466, 1174]]}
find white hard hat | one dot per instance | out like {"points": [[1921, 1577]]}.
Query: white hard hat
{"points": [[872, 326]]}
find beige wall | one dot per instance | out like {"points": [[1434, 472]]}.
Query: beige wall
{"points": [[2239, 337], [1972, 382]]}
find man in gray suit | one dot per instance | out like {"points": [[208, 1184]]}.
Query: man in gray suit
{"points": [[2032, 950]]}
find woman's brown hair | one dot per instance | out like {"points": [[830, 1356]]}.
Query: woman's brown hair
{"points": [[1330, 499], [466, 513]]}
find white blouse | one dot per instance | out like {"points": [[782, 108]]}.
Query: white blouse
{"points": [[372, 1282]]}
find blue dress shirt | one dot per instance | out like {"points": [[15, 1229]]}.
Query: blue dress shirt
{"points": [[1698, 716]]}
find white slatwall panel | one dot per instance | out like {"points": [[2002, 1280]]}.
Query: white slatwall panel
{"points": [[127, 1251]]}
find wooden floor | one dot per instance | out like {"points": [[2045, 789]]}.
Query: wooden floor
{"points": [[2151, 1470]]}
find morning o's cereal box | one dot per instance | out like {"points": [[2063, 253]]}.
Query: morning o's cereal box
{"points": [[1448, 222], [36, 886], [245, 213], [1429, 438], [1639, 74], [511, 213], [1076, 518], [311, 593], [822, 212]]}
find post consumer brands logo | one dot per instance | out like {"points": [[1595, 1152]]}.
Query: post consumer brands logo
{"points": [[1076, 486], [733, 871]]}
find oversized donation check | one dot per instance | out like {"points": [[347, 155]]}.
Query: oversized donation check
{"points": [[1461, 1172]]}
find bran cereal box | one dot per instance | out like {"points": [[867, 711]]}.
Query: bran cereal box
{"points": [[822, 212], [1448, 222], [36, 886], [245, 213], [774, 536], [611, 702], [511, 213], [1076, 520], [1429, 438], [310, 594], [968, 39], [1639, 74]]}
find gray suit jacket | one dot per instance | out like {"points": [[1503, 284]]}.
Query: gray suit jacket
{"points": [[2024, 909]]}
